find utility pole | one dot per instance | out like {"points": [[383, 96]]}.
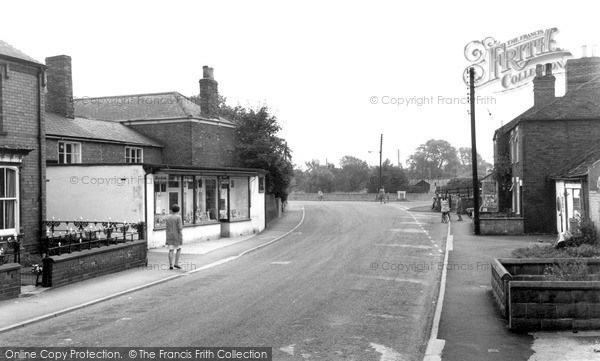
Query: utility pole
{"points": [[399, 158], [474, 153], [380, 149]]}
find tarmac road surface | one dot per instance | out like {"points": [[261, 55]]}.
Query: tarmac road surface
{"points": [[356, 281]]}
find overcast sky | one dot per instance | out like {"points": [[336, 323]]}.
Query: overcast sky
{"points": [[316, 64]]}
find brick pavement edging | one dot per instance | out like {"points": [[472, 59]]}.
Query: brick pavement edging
{"points": [[530, 302], [10, 281], [79, 266]]}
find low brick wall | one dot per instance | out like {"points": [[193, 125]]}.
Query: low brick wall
{"points": [[10, 281], [79, 266], [493, 225], [359, 197], [530, 302]]}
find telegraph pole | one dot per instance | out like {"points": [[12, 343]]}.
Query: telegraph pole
{"points": [[380, 149], [474, 153]]}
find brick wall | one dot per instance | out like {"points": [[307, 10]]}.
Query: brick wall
{"points": [[97, 152], [20, 108], [193, 144], [176, 138], [547, 147], [10, 281], [79, 266], [213, 146]]}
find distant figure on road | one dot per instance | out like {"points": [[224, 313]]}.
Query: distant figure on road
{"points": [[459, 208], [434, 199], [174, 230], [381, 195], [320, 194]]}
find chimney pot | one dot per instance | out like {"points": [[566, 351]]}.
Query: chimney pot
{"points": [[538, 70], [548, 69], [584, 51]]}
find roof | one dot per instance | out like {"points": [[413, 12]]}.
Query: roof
{"points": [[579, 167], [169, 105], [579, 104], [8, 50], [83, 128]]}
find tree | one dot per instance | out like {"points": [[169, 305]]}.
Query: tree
{"points": [[319, 177], [433, 159], [393, 178], [465, 169], [353, 174], [258, 146]]}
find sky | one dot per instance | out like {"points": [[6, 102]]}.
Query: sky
{"points": [[329, 70]]}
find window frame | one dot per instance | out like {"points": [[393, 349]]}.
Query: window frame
{"points": [[139, 158], [62, 155], [16, 199]]}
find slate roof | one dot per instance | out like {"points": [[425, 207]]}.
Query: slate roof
{"points": [[580, 166], [91, 129], [581, 103], [8, 50], [169, 105]]}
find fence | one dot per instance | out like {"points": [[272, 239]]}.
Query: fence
{"points": [[62, 238], [465, 192], [10, 249]]}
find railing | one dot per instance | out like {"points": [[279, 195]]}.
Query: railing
{"points": [[10, 247], [74, 236], [465, 192]]}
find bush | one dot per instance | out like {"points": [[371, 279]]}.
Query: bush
{"points": [[548, 251], [586, 233], [568, 271], [29, 259]]}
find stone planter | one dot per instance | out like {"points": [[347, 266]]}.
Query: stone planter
{"points": [[530, 302]]}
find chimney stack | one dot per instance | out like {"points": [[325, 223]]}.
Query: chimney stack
{"points": [[543, 85], [209, 94], [580, 71], [59, 96]]}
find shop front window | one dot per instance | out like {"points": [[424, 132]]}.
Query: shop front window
{"points": [[238, 198], [206, 199], [187, 208], [224, 199]]}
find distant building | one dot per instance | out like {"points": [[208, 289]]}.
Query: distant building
{"points": [[22, 150], [543, 139]]}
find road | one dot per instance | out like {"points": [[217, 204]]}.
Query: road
{"points": [[356, 281]]}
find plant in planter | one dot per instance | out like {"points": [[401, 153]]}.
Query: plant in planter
{"points": [[577, 270]]}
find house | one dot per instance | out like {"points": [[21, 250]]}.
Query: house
{"points": [[553, 133], [578, 191], [22, 148], [132, 157]]}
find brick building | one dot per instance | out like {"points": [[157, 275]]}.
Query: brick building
{"points": [[546, 137], [22, 150], [131, 157]]}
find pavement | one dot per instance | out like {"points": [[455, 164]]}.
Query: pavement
{"points": [[37, 303], [470, 327]]}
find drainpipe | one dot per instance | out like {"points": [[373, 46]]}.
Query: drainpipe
{"points": [[41, 143]]}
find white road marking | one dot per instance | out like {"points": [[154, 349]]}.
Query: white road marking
{"points": [[396, 279], [402, 245], [288, 349], [386, 316], [280, 263], [387, 353]]}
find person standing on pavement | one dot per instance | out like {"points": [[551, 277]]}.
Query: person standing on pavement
{"points": [[459, 208], [445, 208], [320, 194], [174, 230]]}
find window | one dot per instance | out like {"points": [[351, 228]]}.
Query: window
{"points": [[134, 155], [1, 111], [200, 198], [69, 152], [238, 198], [9, 191], [261, 184]]}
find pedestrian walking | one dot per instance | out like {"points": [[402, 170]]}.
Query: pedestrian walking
{"points": [[434, 199], [320, 195], [174, 230], [459, 208], [381, 195], [445, 208]]}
